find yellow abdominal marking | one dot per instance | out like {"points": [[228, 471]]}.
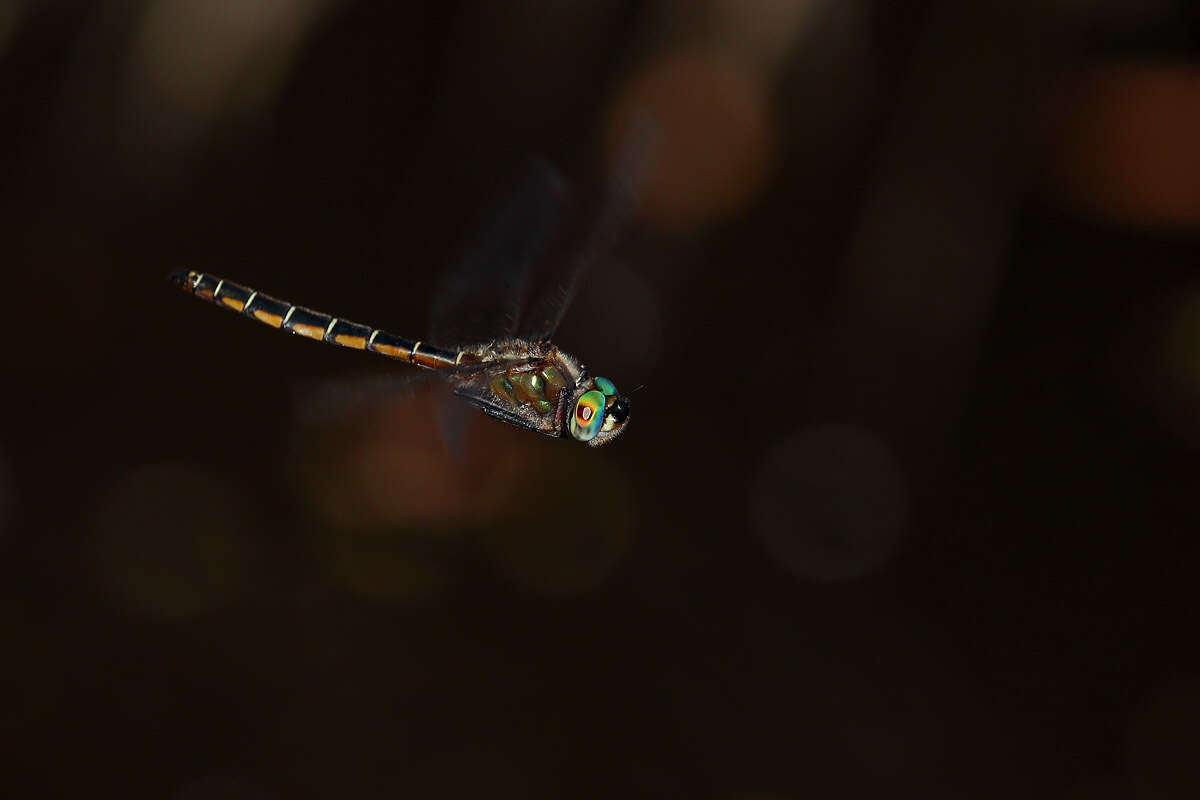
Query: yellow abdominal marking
{"points": [[274, 320], [236, 305], [310, 331], [357, 342], [389, 350]]}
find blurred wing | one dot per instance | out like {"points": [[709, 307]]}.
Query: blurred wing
{"points": [[626, 186], [483, 298], [484, 390], [335, 400]]}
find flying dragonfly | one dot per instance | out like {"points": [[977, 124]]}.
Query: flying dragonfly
{"points": [[512, 372]]}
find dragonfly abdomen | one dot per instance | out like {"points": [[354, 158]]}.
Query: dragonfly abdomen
{"points": [[312, 324]]}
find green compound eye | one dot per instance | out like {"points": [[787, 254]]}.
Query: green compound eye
{"points": [[606, 386], [588, 417]]}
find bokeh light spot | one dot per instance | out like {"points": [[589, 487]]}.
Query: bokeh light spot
{"points": [[1158, 360], [10, 16], [381, 567], [830, 503], [762, 31], [1124, 144], [391, 466], [172, 542], [571, 532], [198, 59], [1181, 344], [715, 137]]}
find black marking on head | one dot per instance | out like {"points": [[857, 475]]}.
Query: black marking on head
{"points": [[619, 409]]}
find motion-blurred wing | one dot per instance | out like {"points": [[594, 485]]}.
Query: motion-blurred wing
{"points": [[482, 299], [330, 401], [625, 188], [333, 400]]}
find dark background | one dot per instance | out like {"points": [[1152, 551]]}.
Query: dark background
{"points": [[907, 504]]}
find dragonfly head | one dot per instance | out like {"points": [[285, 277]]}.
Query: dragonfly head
{"points": [[600, 413]]}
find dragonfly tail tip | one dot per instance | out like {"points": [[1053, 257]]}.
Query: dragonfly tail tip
{"points": [[180, 277]]}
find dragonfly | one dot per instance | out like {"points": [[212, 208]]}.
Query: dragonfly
{"points": [[515, 374]]}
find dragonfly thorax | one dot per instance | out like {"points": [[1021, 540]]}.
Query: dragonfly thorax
{"points": [[536, 384]]}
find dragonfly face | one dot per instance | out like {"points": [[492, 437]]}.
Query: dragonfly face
{"points": [[600, 413]]}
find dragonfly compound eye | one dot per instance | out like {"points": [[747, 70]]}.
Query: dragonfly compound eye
{"points": [[606, 386], [589, 415]]}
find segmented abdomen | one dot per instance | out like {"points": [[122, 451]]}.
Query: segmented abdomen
{"points": [[312, 324]]}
